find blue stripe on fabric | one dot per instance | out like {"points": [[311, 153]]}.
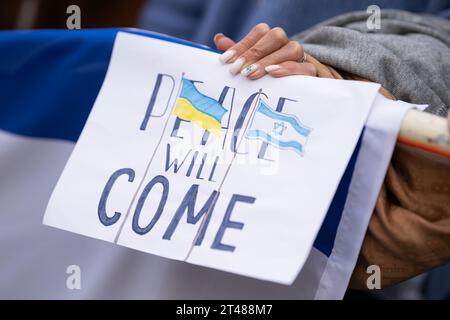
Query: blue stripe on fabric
{"points": [[258, 134], [327, 234], [201, 102], [49, 79], [264, 109]]}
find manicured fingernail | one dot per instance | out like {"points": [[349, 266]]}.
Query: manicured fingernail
{"points": [[251, 68], [227, 55], [237, 65], [272, 67], [218, 36]]}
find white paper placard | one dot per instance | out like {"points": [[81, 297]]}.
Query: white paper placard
{"points": [[141, 179]]}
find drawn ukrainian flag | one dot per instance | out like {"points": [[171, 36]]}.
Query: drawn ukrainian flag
{"points": [[194, 106], [278, 129]]}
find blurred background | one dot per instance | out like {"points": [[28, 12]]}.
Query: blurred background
{"points": [[50, 14]]}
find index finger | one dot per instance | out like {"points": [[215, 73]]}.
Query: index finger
{"points": [[246, 43]]}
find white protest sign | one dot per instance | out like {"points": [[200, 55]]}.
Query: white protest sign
{"points": [[181, 159]]}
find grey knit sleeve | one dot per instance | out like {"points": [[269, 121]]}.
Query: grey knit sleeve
{"points": [[409, 55]]}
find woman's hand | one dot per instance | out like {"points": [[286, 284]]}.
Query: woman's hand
{"points": [[264, 50]]}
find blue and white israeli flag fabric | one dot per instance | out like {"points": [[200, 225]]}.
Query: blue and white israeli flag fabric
{"points": [[49, 80], [283, 131]]}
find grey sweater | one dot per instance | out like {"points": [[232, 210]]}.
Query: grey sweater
{"points": [[409, 55]]}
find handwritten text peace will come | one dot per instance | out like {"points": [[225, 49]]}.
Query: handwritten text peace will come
{"points": [[189, 202]]}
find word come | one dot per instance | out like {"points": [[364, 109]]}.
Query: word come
{"points": [[187, 206]]}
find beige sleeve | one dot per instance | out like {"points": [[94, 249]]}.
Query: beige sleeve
{"points": [[409, 232]]}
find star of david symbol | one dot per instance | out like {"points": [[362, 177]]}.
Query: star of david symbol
{"points": [[278, 128]]}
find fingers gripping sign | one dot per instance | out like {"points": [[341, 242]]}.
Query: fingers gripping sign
{"points": [[264, 51]]}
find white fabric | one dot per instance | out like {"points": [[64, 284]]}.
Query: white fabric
{"points": [[378, 143]]}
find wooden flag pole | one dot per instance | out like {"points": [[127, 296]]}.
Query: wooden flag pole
{"points": [[425, 131]]}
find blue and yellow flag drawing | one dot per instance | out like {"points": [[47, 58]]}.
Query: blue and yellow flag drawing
{"points": [[194, 106]]}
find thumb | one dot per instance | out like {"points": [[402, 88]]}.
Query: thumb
{"points": [[222, 42]]}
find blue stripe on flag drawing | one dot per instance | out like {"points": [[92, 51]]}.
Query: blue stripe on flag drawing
{"points": [[291, 119], [257, 133], [202, 102]]}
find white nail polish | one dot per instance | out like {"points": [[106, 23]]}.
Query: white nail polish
{"points": [[272, 67], [250, 69], [237, 65], [227, 55]]}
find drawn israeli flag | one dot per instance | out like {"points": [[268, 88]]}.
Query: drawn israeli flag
{"points": [[281, 130]]}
